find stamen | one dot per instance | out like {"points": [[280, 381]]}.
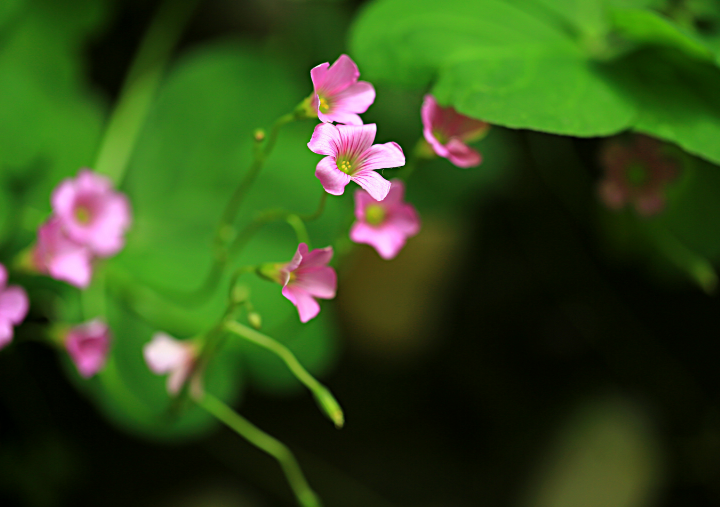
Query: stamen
{"points": [[324, 106], [345, 166], [82, 214], [375, 214]]}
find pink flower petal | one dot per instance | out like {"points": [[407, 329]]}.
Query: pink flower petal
{"points": [[325, 140], [339, 76], [377, 186], [164, 353], [362, 200], [6, 333], [343, 117], [317, 74], [355, 140], [356, 98], [320, 282], [14, 304], [386, 240], [316, 258], [383, 156], [88, 346], [333, 179], [73, 267], [462, 155], [109, 234], [307, 307], [3, 276], [405, 219]]}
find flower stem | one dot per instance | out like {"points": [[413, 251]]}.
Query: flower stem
{"points": [[324, 398], [140, 87], [418, 152], [306, 497], [299, 227]]}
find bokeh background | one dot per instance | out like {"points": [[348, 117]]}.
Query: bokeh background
{"points": [[529, 348]]}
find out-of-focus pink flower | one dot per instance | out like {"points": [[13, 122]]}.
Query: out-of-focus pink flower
{"points": [[88, 345], [14, 306], [306, 277], [338, 94], [164, 354], [60, 257], [448, 132], [385, 225], [92, 214], [351, 155], [636, 173]]}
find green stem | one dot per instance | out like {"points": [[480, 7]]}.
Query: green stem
{"points": [[306, 497], [299, 227], [319, 211], [327, 402], [140, 87]]}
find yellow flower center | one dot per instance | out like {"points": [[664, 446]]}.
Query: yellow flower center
{"points": [[82, 214], [375, 214], [324, 106], [345, 166]]}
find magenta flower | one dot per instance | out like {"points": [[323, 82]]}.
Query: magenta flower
{"points": [[92, 214], [60, 257], [306, 277], [385, 225], [448, 131], [164, 354], [637, 173], [88, 345], [338, 94], [351, 155], [14, 306]]}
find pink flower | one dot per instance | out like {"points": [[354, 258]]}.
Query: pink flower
{"points": [[165, 354], [448, 131], [92, 214], [637, 173], [60, 257], [14, 306], [338, 94], [387, 224], [306, 277], [352, 156], [88, 345]]}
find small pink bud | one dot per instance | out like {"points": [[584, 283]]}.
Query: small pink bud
{"points": [[385, 225], [88, 345], [14, 306], [306, 277], [164, 354]]}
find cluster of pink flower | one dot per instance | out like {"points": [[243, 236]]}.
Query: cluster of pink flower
{"points": [[89, 219]]}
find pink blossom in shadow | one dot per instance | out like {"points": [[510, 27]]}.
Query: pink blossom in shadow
{"points": [[351, 155], [92, 214], [164, 354], [88, 345], [55, 254], [637, 173], [385, 225], [14, 306], [448, 132], [338, 96], [306, 277]]}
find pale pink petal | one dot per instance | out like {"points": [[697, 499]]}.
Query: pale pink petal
{"points": [[63, 198], [297, 259], [177, 377], [438, 148], [383, 156], [307, 307], [339, 76], [3, 276], [325, 140], [164, 353], [88, 346], [318, 257], [405, 219], [354, 99], [109, 232], [355, 140], [396, 195], [73, 267], [14, 304], [386, 240], [362, 200], [340, 117], [377, 186], [320, 282], [649, 204], [462, 155], [6, 333], [333, 179], [317, 74]]}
